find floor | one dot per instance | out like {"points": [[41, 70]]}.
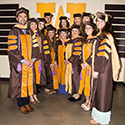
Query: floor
{"points": [[56, 110]]}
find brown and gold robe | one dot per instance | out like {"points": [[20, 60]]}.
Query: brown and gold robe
{"points": [[60, 50], [21, 46], [102, 87], [73, 69], [85, 77]]}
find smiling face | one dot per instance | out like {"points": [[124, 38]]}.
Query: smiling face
{"points": [[85, 19], [33, 26], [89, 30], [75, 32], [77, 20], [22, 18], [63, 23], [48, 19], [51, 34], [100, 23], [63, 35], [41, 25]]}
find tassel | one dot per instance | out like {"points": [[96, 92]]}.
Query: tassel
{"points": [[88, 73], [54, 73], [19, 67], [40, 66], [81, 76]]}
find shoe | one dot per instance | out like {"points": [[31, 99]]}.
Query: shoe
{"points": [[75, 100], [37, 101], [71, 98], [83, 106], [93, 122], [86, 107], [33, 102], [53, 91], [29, 108], [47, 91], [23, 110], [91, 118]]}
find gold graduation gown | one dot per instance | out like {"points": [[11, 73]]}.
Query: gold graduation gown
{"points": [[85, 78]]}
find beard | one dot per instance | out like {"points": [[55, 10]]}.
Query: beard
{"points": [[22, 22]]}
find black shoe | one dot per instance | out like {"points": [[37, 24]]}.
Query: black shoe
{"points": [[75, 100], [70, 98]]}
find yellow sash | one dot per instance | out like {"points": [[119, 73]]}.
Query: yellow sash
{"points": [[68, 74], [55, 77], [62, 66]]}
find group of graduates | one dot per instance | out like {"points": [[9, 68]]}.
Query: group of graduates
{"points": [[78, 59]]}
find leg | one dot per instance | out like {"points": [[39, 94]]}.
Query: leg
{"points": [[86, 105], [21, 102]]}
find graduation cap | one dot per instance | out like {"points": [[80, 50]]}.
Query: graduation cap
{"points": [[41, 20], [32, 20], [77, 27], [91, 24], [48, 14], [104, 16], [50, 27], [92, 16], [76, 15], [63, 29], [63, 18], [22, 10]]}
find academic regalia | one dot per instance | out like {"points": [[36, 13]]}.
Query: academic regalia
{"points": [[39, 64], [102, 87], [60, 50], [51, 48], [22, 45], [47, 62], [54, 70], [105, 61], [73, 69], [85, 77]]}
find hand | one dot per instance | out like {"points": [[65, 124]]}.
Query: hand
{"points": [[84, 65], [66, 62], [95, 74], [27, 63], [55, 64], [31, 64], [52, 65]]}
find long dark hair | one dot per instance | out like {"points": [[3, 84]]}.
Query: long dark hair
{"points": [[29, 22], [93, 25], [108, 26], [106, 29], [51, 44], [67, 24]]}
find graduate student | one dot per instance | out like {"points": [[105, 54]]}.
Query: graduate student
{"points": [[73, 61], [86, 74], [105, 65], [59, 58], [23, 51]]}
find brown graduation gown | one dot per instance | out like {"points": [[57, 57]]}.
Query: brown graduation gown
{"points": [[21, 46], [102, 87], [75, 60]]}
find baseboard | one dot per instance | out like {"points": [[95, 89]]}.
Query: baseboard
{"points": [[119, 83], [4, 79]]}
